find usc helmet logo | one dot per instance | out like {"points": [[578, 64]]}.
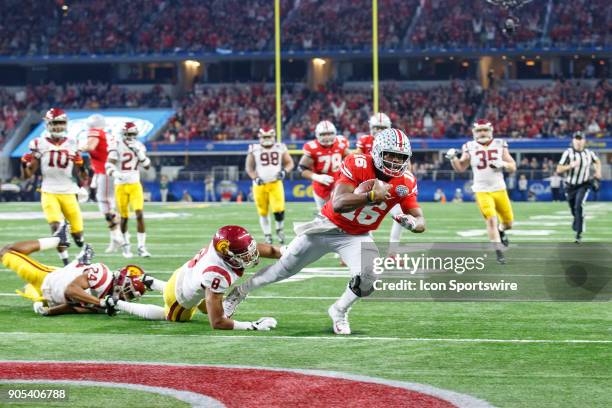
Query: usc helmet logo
{"points": [[222, 246]]}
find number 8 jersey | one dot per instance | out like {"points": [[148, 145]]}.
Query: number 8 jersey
{"points": [[486, 178], [268, 160], [56, 163], [356, 169]]}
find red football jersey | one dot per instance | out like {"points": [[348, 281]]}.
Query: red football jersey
{"points": [[356, 169], [100, 153], [365, 143], [327, 160]]}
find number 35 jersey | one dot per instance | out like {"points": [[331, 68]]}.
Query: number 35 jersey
{"points": [[268, 160], [486, 178], [356, 169], [127, 162], [56, 163]]}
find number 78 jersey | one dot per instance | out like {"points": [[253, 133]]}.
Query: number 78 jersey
{"points": [[356, 169], [486, 178]]}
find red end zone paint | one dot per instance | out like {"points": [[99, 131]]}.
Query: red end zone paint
{"points": [[234, 387]]}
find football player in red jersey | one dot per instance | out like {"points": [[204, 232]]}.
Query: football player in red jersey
{"points": [[368, 187], [322, 159], [96, 145], [379, 122]]}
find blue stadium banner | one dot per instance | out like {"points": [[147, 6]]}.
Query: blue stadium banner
{"points": [[148, 122]]}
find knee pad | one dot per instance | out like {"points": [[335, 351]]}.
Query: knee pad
{"points": [[279, 216], [79, 241], [361, 286]]}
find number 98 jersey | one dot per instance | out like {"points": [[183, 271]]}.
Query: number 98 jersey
{"points": [[56, 163], [268, 160], [356, 169], [486, 178]]}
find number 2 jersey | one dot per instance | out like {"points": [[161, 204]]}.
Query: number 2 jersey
{"points": [[127, 160], [54, 286], [356, 169], [56, 163], [268, 160], [486, 178], [207, 270], [326, 160]]}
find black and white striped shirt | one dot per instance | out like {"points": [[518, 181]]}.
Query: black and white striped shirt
{"points": [[581, 173]]}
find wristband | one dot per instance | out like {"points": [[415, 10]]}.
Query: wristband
{"points": [[370, 196]]}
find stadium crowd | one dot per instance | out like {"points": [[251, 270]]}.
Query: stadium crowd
{"points": [[150, 26]]}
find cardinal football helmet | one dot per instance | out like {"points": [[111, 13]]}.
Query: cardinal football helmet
{"points": [[56, 122], [129, 131], [267, 136], [236, 246], [482, 131], [128, 283]]}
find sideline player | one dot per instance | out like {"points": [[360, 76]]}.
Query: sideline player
{"points": [[125, 158], [58, 158], [377, 123], [488, 158], [322, 159], [201, 282], [97, 146], [368, 187], [79, 287], [267, 164]]}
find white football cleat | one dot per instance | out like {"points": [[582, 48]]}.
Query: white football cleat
{"points": [[231, 301], [339, 319], [126, 251], [142, 251]]}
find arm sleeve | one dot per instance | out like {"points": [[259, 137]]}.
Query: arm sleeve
{"points": [[410, 201], [308, 150]]}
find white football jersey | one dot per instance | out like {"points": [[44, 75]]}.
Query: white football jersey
{"points": [[55, 163], [486, 178], [127, 160], [55, 283], [205, 271], [268, 160]]}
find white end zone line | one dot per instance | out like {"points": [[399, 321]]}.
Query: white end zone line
{"points": [[332, 338]]}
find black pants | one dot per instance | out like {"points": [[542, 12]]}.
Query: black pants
{"points": [[556, 193], [576, 195]]}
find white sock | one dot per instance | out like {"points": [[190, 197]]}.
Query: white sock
{"points": [[346, 300], [48, 243], [396, 232], [142, 238], [126, 238], [501, 227], [280, 225], [149, 312], [158, 285], [116, 236], [63, 255], [265, 224]]}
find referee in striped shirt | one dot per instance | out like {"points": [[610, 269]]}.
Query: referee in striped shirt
{"points": [[578, 163]]}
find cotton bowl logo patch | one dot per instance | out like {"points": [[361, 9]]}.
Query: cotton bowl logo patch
{"points": [[401, 191], [222, 246]]}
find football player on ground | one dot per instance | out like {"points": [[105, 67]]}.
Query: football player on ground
{"points": [[378, 123], [58, 158], [368, 187], [322, 159], [79, 287], [97, 146], [125, 158], [267, 164], [201, 282], [488, 158]]}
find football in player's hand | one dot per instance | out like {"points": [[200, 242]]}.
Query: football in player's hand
{"points": [[365, 186]]}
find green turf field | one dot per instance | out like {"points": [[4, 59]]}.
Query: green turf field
{"points": [[521, 354]]}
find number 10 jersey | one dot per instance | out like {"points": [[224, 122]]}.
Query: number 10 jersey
{"points": [[56, 163]]}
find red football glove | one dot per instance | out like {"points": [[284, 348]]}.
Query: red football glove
{"points": [[77, 159], [27, 158]]}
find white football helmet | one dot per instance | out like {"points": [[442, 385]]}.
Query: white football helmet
{"points": [[379, 122], [129, 131], [325, 133], [56, 122], [96, 121], [267, 136], [482, 131], [391, 152]]}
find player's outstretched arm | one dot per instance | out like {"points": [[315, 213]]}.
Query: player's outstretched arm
{"points": [[75, 291], [217, 319], [268, 251], [413, 220], [23, 247], [346, 200]]}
